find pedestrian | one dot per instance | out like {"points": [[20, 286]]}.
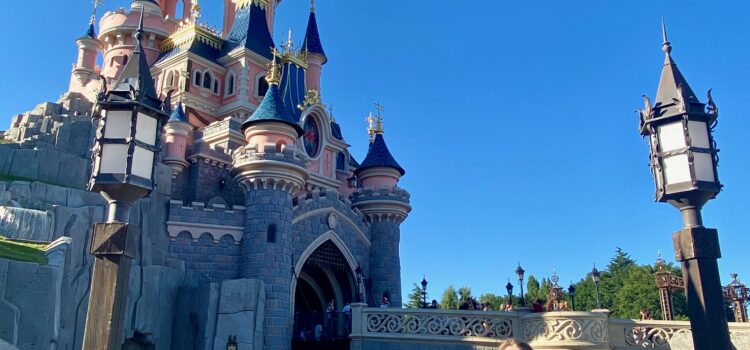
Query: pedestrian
{"points": [[384, 304], [512, 344]]}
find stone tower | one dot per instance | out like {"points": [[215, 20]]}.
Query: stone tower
{"points": [[270, 172], [385, 206]]}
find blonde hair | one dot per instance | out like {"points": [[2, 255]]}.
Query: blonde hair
{"points": [[512, 344]]}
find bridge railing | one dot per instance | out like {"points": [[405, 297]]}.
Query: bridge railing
{"points": [[386, 328]]}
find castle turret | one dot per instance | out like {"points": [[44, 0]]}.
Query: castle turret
{"points": [[270, 172], [385, 206], [85, 68], [316, 57], [177, 133]]}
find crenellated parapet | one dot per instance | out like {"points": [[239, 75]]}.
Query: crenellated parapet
{"points": [[269, 166], [198, 218], [382, 204]]}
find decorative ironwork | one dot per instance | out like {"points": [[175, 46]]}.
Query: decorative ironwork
{"points": [[559, 329], [440, 324], [653, 337]]}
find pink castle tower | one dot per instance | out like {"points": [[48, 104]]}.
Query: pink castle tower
{"points": [[177, 134], [85, 69], [316, 57]]}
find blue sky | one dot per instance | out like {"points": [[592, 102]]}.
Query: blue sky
{"points": [[513, 119]]}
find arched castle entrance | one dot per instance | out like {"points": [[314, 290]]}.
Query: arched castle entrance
{"points": [[324, 274]]}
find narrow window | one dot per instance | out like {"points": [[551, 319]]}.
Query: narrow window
{"points": [[216, 86], [340, 161], [271, 233], [262, 86], [230, 86], [207, 80], [179, 9], [124, 60], [197, 80]]}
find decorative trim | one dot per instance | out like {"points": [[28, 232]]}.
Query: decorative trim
{"points": [[333, 211], [174, 228]]}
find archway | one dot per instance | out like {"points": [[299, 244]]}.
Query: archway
{"points": [[325, 277]]}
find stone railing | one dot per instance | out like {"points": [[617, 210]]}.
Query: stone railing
{"points": [[389, 329], [653, 334], [433, 326]]}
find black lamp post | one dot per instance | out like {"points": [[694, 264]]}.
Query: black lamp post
{"points": [[595, 276], [738, 294], [509, 288], [359, 277], [572, 292], [124, 157], [519, 274], [683, 159], [424, 292], [232, 342]]}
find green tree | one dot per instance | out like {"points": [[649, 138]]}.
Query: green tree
{"points": [[532, 289], [415, 297], [450, 299], [493, 300], [543, 291], [464, 293], [637, 292]]}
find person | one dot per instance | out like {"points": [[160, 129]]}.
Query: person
{"points": [[384, 304], [537, 306], [434, 304], [508, 307], [318, 331], [645, 314], [347, 311], [330, 318], [512, 344]]}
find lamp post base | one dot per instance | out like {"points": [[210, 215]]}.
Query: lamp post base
{"points": [[697, 248], [113, 246]]}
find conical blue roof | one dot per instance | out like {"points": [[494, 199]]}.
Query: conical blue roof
{"points": [[272, 109], [379, 156], [91, 32], [178, 115], [250, 30], [312, 38]]}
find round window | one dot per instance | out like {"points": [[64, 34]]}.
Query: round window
{"points": [[311, 136]]}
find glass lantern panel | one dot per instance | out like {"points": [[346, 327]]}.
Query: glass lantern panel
{"points": [[114, 159], [145, 129], [143, 162], [704, 167], [698, 134], [676, 169], [117, 124], [671, 136]]}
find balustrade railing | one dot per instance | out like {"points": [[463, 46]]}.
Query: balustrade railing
{"points": [[653, 334]]}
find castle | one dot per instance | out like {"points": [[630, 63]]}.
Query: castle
{"points": [[261, 216]]}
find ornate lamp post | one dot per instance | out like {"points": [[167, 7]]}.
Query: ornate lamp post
{"points": [[125, 154], [684, 158], [595, 276], [509, 289], [424, 292], [232, 342], [519, 273], [572, 293], [738, 293]]}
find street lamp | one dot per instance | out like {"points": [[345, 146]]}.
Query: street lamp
{"points": [[738, 293], [519, 274], [509, 288], [124, 157], [232, 342], [595, 276], [572, 292], [683, 160], [424, 292]]}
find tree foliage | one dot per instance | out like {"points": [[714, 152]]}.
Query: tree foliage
{"points": [[415, 297], [464, 293], [449, 299]]}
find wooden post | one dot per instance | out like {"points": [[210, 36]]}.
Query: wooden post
{"points": [[113, 246]]}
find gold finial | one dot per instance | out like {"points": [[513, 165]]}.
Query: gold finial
{"points": [[97, 3], [274, 73], [375, 123], [195, 12], [330, 114], [289, 44]]}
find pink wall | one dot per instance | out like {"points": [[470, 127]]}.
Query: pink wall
{"points": [[314, 71], [270, 137], [176, 145], [378, 182]]}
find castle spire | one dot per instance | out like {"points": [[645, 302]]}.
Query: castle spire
{"points": [[91, 32], [137, 75], [674, 94], [271, 108], [378, 154], [312, 37]]}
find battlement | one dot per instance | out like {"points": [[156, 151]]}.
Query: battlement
{"points": [[223, 135], [199, 218], [268, 151], [369, 193]]}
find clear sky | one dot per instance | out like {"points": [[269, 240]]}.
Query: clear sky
{"points": [[513, 119]]}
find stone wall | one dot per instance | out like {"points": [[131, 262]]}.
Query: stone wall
{"points": [[209, 181], [46, 165], [208, 260], [385, 262]]}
